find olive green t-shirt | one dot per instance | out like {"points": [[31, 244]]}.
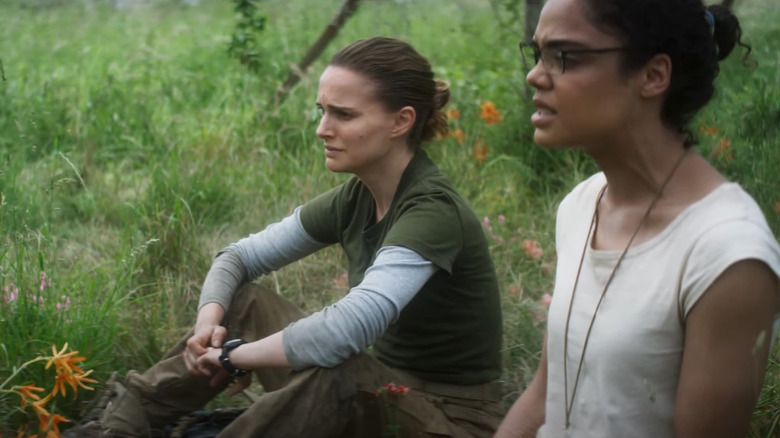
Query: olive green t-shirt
{"points": [[451, 330]]}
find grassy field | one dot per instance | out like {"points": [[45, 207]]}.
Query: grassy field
{"points": [[134, 147]]}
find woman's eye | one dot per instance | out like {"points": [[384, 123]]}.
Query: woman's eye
{"points": [[335, 113], [560, 58]]}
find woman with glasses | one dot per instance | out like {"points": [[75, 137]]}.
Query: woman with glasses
{"points": [[666, 293], [423, 290]]}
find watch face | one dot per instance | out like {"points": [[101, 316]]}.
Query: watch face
{"points": [[233, 343]]}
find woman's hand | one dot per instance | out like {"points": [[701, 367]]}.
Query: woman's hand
{"points": [[208, 333], [210, 362], [527, 414]]}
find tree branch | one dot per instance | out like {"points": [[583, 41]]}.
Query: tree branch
{"points": [[296, 73]]}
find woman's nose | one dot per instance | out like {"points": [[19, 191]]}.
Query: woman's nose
{"points": [[537, 76], [322, 128]]}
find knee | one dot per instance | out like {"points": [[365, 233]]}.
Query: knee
{"points": [[259, 310], [249, 294]]}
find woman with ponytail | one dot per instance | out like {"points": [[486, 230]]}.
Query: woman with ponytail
{"points": [[424, 293], [666, 295]]}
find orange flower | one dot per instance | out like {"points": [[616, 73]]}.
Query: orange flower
{"points": [[489, 113], [74, 380], [59, 384], [724, 150], [37, 403], [50, 423], [532, 248], [28, 394], [777, 207], [480, 151], [458, 135], [64, 362], [68, 372], [708, 130], [453, 114], [40, 406]]}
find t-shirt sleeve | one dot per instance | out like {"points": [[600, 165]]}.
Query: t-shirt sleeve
{"points": [[430, 225], [720, 247], [320, 217]]}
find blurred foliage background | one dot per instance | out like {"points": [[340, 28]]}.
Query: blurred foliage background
{"points": [[137, 138]]}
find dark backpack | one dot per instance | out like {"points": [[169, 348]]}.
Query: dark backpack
{"points": [[203, 424]]}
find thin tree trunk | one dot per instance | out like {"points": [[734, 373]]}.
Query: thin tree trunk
{"points": [[347, 9], [533, 8]]}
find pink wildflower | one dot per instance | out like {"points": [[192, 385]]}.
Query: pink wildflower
{"points": [[10, 293], [64, 303], [342, 280], [532, 248], [486, 224]]}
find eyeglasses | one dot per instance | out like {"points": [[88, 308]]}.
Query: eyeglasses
{"points": [[554, 60]]}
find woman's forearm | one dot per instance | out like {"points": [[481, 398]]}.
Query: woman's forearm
{"points": [[264, 353], [525, 417]]}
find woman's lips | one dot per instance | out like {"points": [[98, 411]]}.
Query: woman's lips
{"points": [[331, 152], [544, 115]]}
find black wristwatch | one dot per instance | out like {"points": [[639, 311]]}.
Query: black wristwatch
{"points": [[227, 347]]}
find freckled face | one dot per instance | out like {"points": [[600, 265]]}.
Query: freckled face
{"points": [[355, 127], [592, 100]]}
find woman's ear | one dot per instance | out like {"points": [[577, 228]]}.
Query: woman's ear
{"points": [[656, 77], [404, 120]]}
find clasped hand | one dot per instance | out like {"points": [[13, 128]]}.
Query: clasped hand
{"points": [[201, 356]]}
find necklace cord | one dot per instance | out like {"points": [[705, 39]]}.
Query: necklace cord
{"points": [[569, 404]]}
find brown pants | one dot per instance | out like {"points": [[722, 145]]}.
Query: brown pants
{"points": [[317, 402]]}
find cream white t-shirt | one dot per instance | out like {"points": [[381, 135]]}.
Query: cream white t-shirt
{"points": [[629, 376]]}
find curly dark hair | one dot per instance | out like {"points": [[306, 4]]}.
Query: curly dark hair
{"points": [[402, 77], [695, 37]]}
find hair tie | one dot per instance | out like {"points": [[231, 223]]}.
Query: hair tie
{"points": [[710, 20]]}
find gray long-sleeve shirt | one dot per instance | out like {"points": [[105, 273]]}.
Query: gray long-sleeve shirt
{"points": [[328, 337]]}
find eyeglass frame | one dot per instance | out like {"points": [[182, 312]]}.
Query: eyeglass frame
{"points": [[538, 56]]}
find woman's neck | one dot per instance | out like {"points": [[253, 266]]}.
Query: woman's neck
{"points": [[383, 181], [644, 170], [636, 165]]}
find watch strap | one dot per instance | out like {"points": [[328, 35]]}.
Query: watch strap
{"points": [[224, 358]]}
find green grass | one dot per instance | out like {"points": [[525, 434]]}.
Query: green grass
{"points": [[132, 148]]}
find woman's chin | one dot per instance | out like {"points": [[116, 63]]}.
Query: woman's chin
{"points": [[334, 166], [548, 140], [545, 140]]}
